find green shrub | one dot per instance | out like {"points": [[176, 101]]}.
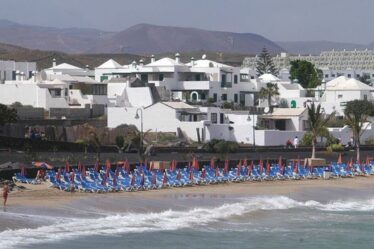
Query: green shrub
{"points": [[306, 140], [335, 148], [221, 146]]}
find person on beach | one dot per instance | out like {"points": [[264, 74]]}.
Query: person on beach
{"points": [[296, 142], [5, 193]]}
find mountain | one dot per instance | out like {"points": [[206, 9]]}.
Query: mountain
{"points": [[71, 40], [140, 39], [316, 47], [145, 38], [44, 59]]}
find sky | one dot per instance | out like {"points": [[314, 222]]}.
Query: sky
{"points": [[279, 20]]}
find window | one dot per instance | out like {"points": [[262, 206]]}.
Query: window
{"points": [[235, 79], [221, 118], [244, 77], [357, 76], [160, 77], [213, 118], [197, 77], [144, 77], [224, 97], [215, 97], [349, 75], [236, 98], [340, 96], [103, 77], [202, 96], [333, 75], [13, 75], [365, 97], [252, 77], [326, 75]]}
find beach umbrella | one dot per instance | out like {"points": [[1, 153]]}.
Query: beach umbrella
{"points": [[58, 174], [103, 182], [191, 175], [267, 167], [108, 165], [23, 171], [195, 164], [72, 177], [261, 165], [179, 175], [203, 173], [238, 171], [212, 162], [84, 172], [296, 166], [216, 173], [97, 166], [42, 165], [117, 172], [340, 159], [127, 166], [280, 161], [367, 160], [245, 162], [115, 181], [79, 166], [67, 167], [165, 178], [151, 166], [226, 166]]}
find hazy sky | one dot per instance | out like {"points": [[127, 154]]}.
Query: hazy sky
{"points": [[278, 20]]}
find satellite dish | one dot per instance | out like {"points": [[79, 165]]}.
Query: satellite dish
{"points": [[203, 57], [266, 110]]}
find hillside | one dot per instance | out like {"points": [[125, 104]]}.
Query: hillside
{"points": [[146, 39], [44, 58], [139, 39]]}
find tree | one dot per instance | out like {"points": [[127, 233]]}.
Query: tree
{"points": [[365, 78], [264, 64], [356, 115], [306, 73], [317, 123], [268, 92], [97, 139], [7, 115]]}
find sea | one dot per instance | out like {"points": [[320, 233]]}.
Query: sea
{"points": [[343, 220]]}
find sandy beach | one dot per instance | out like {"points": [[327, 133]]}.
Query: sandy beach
{"points": [[43, 196]]}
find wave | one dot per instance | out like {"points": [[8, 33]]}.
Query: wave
{"points": [[168, 220]]}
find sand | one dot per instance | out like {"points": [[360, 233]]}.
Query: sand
{"points": [[46, 197]]}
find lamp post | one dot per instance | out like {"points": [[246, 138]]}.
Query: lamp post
{"points": [[141, 128], [253, 128]]}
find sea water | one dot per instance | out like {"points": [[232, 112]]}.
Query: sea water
{"points": [[253, 222]]}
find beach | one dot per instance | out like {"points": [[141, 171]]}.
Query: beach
{"points": [[230, 207]]}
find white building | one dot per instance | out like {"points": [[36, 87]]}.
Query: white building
{"points": [[337, 92], [198, 81], [12, 70]]}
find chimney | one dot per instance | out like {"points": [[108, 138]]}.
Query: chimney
{"points": [[192, 61], [141, 62], [54, 62], [152, 58], [177, 57]]}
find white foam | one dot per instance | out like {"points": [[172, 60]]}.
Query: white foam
{"points": [[167, 220]]}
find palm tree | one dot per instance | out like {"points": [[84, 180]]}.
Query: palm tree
{"points": [[317, 123], [97, 139], [356, 116], [268, 92]]}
